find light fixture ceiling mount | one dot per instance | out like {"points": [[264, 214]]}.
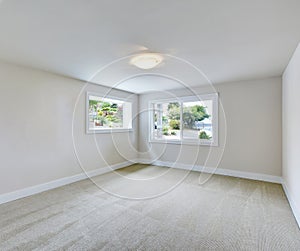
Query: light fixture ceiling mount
{"points": [[146, 60]]}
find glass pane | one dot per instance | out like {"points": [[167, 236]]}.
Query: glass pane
{"points": [[166, 121], [197, 120], [108, 113]]}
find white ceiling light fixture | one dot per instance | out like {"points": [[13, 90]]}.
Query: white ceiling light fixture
{"points": [[146, 60]]}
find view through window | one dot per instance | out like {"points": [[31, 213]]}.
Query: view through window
{"points": [[107, 113], [187, 120]]}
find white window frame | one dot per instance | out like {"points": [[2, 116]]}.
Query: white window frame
{"points": [[214, 97], [105, 130]]}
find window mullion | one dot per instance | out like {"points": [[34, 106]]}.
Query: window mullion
{"points": [[181, 121]]}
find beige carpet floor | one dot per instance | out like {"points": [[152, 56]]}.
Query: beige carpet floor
{"points": [[224, 213]]}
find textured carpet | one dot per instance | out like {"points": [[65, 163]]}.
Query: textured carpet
{"points": [[225, 213]]}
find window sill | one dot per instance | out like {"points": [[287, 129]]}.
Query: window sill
{"points": [[185, 142], [107, 131]]}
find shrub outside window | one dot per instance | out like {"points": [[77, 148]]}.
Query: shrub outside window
{"points": [[108, 114]]}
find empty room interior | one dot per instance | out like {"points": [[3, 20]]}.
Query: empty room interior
{"points": [[149, 125]]}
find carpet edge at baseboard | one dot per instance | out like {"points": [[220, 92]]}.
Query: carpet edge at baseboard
{"points": [[28, 191]]}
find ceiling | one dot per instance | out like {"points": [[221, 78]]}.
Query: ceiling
{"points": [[228, 40]]}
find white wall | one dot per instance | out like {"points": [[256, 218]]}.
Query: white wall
{"points": [[253, 118], [36, 129], [36, 143], [291, 132]]}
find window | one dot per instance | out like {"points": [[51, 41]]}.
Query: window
{"points": [[186, 120], [106, 114]]}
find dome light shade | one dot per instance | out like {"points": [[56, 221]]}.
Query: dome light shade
{"points": [[147, 60]]}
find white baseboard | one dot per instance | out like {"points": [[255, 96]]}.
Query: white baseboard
{"points": [[233, 173], [226, 172], [68, 180], [295, 209], [59, 182]]}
